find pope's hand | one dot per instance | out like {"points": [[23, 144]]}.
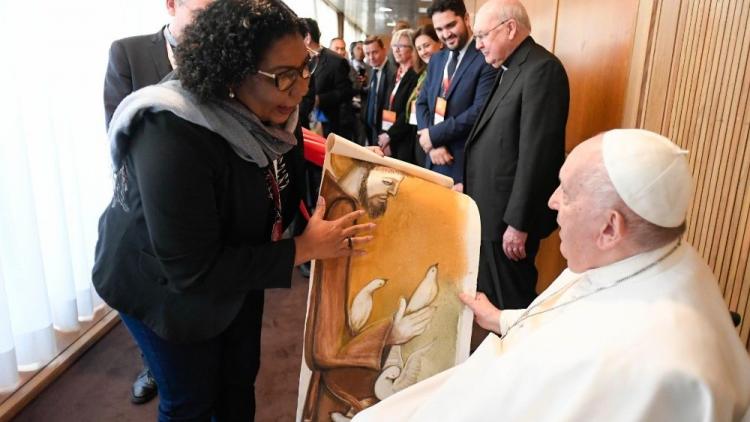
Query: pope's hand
{"points": [[406, 327], [514, 244], [485, 313]]}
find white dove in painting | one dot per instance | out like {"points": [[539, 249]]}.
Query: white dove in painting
{"points": [[426, 291], [361, 307], [397, 375], [401, 375]]}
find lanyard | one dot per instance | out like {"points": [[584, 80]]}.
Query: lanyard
{"points": [[274, 193], [447, 81]]}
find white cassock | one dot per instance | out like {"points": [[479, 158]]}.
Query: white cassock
{"points": [[659, 346]]}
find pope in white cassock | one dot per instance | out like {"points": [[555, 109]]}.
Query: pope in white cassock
{"points": [[635, 329]]}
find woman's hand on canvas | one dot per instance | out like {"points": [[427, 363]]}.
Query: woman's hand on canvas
{"points": [[323, 239], [406, 327], [485, 313]]}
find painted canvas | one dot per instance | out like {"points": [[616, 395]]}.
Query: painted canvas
{"points": [[381, 322]]}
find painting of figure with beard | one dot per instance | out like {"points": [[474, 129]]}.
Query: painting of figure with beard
{"points": [[380, 322]]}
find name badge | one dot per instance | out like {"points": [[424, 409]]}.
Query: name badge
{"points": [[413, 114], [440, 105], [389, 118]]}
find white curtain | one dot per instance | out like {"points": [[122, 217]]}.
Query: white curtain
{"points": [[54, 165], [328, 21]]}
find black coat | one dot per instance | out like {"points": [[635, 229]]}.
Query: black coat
{"points": [[402, 134], [333, 87], [134, 62], [469, 89], [195, 242], [517, 146]]}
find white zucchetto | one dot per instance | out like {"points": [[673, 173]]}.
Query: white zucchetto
{"points": [[650, 173]]}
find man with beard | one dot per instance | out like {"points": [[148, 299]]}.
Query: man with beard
{"points": [[344, 360], [457, 83]]}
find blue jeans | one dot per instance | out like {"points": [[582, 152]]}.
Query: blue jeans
{"points": [[211, 380]]}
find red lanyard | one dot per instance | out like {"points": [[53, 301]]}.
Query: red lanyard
{"points": [[446, 86], [275, 195]]}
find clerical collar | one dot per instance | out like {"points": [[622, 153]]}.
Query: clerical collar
{"points": [[169, 37], [609, 274], [509, 61]]}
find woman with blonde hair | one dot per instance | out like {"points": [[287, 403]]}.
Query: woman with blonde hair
{"points": [[398, 137]]}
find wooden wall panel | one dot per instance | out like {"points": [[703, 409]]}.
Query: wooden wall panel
{"points": [[543, 17], [594, 40], [695, 90]]}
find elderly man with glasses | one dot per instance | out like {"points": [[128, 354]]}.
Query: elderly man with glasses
{"points": [[635, 329], [514, 152]]}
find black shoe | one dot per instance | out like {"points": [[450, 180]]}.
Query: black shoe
{"points": [[144, 388], [304, 269]]}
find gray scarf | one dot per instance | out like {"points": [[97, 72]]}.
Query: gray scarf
{"points": [[250, 138]]}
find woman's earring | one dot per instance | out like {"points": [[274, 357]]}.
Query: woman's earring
{"points": [[231, 93]]}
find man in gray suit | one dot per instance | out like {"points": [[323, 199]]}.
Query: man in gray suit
{"points": [[136, 62]]}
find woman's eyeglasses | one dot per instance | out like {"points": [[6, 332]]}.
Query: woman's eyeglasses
{"points": [[286, 79]]}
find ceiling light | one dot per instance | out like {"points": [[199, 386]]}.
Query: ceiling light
{"points": [[391, 24], [422, 10], [385, 9]]}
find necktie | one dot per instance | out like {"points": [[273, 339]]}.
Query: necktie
{"points": [[372, 99], [453, 64]]}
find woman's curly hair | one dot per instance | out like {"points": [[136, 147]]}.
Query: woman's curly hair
{"points": [[227, 41]]}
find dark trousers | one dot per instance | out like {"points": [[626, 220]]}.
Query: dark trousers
{"points": [[507, 284], [212, 380]]}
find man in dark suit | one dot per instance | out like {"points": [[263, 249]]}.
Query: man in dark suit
{"points": [[134, 63], [144, 60], [514, 152], [457, 83], [332, 84], [379, 83]]}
